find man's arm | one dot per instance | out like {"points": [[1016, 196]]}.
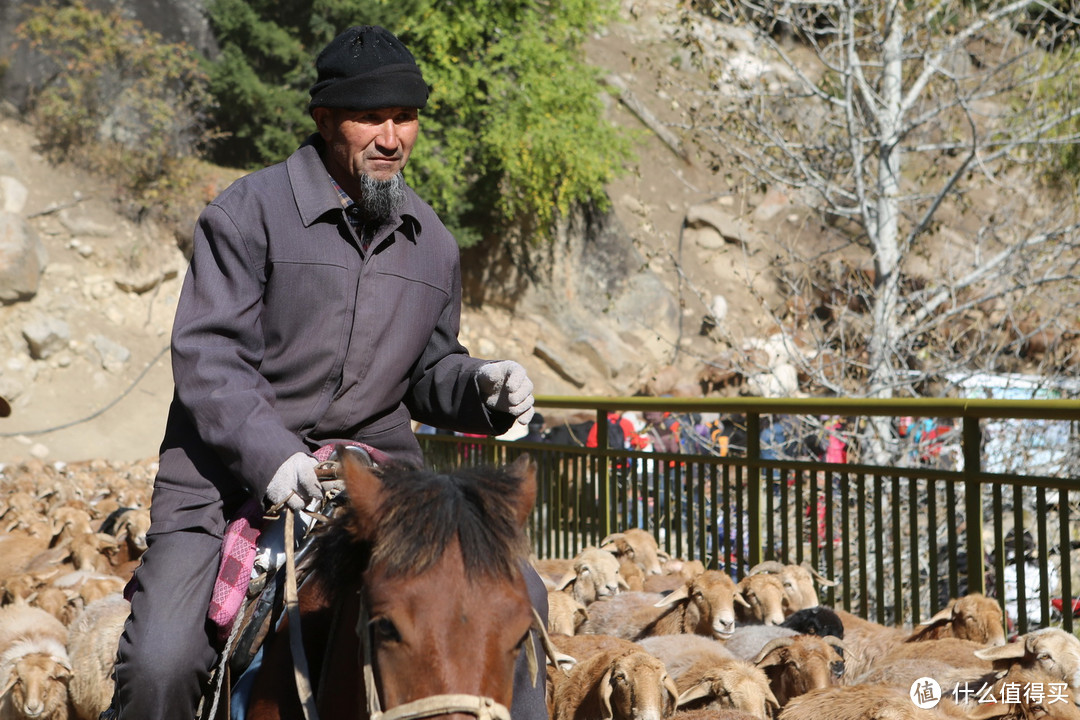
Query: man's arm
{"points": [[217, 348]]}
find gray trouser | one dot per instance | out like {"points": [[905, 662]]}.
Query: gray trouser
{"points": [[167, 649]]}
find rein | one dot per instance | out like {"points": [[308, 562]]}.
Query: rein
{"points": [[480, 707]]}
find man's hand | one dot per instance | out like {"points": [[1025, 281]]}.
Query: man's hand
{"points": [[505, 387], [294, 483]]}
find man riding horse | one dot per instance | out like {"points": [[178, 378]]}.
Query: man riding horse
{"points": [[322, 303]]}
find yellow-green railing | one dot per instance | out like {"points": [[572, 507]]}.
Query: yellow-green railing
{"points": [[899, 540]]}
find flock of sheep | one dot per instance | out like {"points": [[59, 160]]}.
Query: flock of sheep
{"points": [[70, 537], [639, 636], [636, 635]]}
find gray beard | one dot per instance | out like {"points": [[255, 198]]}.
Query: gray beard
{"points": [[379, 199]]}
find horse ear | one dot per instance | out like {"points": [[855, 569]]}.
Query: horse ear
{"points": [[525, 470], [364, 489]]}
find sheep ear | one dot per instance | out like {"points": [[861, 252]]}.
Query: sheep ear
{"points": [[605, 695], [1009, 651], [674, 597], [771, 699], [622, 583], [702, 690], [941, 616], [566, 580], [740, 599]]}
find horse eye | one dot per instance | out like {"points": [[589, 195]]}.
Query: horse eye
{"points": [[383, 630]]}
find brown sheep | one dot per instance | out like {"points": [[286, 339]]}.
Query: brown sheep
{"points": [[638, 546], [676, 574], [866, 641], [731, 683], [766, 601], [799, 664], [798, 582], [624, 684], [128, 526], [1005, 696], [92, 640], [17, 551], [704, 606], [565, 614], [972, 617], [713, 714], [860, 702]]}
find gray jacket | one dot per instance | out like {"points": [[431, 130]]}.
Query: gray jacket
{"points": [[288, 335]]}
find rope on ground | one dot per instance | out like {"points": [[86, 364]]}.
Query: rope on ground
{"points": [[97, 413]]}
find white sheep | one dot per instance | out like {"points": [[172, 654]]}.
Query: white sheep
{"points": [[594, 575], [92, 640], [748, 640], [704, 606], [1051, 650], [679, 652], [34, 665]]}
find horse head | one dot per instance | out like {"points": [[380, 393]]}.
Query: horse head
{"points": [[427, 568]]}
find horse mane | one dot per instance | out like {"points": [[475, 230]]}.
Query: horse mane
{"points": [[420, 515]]}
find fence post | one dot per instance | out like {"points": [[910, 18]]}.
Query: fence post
{"points": [[753, 487], [603, 475], [972, 442]]}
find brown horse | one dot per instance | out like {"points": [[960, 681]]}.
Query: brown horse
{"points": [[420, 580]]}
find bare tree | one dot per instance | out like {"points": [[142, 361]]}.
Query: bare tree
{"points": [[914, 130]]}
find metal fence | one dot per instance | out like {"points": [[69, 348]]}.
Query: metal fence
{"points": [[900, 540]]}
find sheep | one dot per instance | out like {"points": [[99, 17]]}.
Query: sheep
{"points": [[583, 647], [69, 522], [902, 673], [631, 573], [638, 545], [1051, 650], [766, 601], [854, 703], [129, 526], [952, 651], [679, 652], [34, 665], [799, 664], [726, 683], [594, 575], [866, 641], [676, 574], [971, 617], [819, 620], [92, 640], [565, 614], [623, 684], [712, 714], [704, 606], [1017, 693], [748, 640], [17, 551], [798, 582]]}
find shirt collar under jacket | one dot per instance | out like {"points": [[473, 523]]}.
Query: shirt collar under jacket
{"points": [[315, 197]]}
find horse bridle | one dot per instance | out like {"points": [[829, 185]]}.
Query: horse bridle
{"points": [[479, 706]]}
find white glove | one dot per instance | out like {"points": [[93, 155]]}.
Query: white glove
{"points": [[505, 387], [295, 483]]}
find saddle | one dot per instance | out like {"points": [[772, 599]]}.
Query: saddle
{"points": [[249, 593]]}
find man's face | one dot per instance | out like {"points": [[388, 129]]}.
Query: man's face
{"points": [[376, 143]]}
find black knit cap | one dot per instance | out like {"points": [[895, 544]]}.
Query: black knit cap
{"points": [[367, 68]]}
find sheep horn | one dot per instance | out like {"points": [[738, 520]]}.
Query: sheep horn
{"points": [[774, 644], [772, 567], [702, 690], [821, 579], [612, 538]]}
